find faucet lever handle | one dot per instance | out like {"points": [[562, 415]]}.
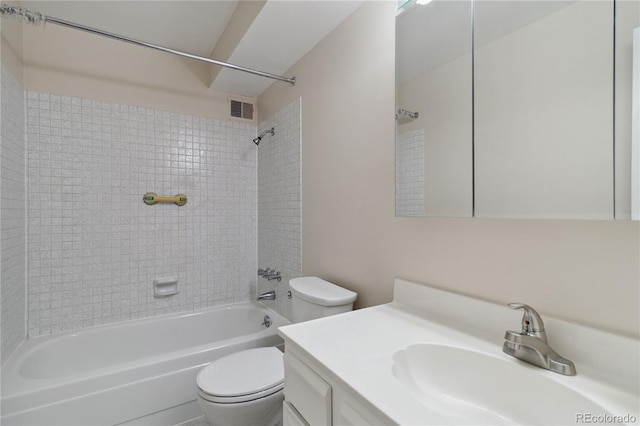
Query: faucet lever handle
{"points": [[532, 324]]}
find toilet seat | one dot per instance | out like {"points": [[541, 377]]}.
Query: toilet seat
{"points": [[242, 376], [239, 398]]}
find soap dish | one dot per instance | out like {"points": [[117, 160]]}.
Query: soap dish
{"points": [[163, 287]]}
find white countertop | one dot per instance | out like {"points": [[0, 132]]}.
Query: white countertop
{"points": [[358, 349]]}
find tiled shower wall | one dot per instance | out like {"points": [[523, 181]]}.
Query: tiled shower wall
{"points": [[410, 174], [94, 247], [12, 215], [279, 211]]}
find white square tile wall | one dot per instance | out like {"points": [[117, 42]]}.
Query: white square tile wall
{"points": [[410, 174], [279, 210], [94, 247], [12, 215]]}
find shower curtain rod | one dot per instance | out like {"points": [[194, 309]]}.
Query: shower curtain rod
{"points": [[38, 18]]}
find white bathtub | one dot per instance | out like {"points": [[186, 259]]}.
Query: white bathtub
{"points": [[139, 372]]}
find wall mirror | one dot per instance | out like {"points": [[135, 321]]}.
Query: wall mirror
{"points": [[434, 109], [514, 109]]}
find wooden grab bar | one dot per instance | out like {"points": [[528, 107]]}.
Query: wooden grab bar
{"points": [[150, 198]]}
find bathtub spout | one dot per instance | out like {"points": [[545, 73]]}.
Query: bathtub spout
{"points": [[269, 295]]}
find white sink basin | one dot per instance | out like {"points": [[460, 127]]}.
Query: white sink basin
{"points": [[468, 387]]}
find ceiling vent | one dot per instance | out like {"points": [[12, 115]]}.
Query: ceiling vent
{"points": [[241, 109]]}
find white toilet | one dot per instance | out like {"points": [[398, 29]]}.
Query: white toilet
{"points": [[245, 387]]}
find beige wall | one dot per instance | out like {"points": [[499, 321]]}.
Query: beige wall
{"points": [[11, 46], [587, 271], [69, 62]]}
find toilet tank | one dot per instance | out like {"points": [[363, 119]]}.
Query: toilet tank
{"points": [[313, 298]]}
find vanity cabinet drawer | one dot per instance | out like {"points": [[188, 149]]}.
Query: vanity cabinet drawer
{"points": [[349, 411], [307, 392], [291, 417]]}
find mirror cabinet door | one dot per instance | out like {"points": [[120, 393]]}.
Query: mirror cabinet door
{"points": [[434, 117], [534, 123], [627, 21], [543, 105]]}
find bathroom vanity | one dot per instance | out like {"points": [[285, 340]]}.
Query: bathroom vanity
{"points": [[315, 396], [434, 357]]}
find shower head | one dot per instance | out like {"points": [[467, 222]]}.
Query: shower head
{"points": [[403, 113], [263, 134]]}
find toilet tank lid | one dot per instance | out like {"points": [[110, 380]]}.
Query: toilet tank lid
{"points": [[321, 292]]}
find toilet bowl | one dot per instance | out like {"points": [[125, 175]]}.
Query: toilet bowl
{"points": [[245, 388]]}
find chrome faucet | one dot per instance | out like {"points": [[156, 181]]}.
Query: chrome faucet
{"points": [[270, 274], [531, 345], [263, 272], [269, 295], [274, 275]]}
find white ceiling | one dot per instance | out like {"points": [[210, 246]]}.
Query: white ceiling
{"points": [[282, 33]]}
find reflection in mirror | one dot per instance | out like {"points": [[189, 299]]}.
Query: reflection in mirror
{"points": [[543, 108], [434, 117]]}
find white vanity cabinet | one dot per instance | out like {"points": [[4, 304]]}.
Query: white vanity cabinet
{"points": [[313, 396], [306, 392]]}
